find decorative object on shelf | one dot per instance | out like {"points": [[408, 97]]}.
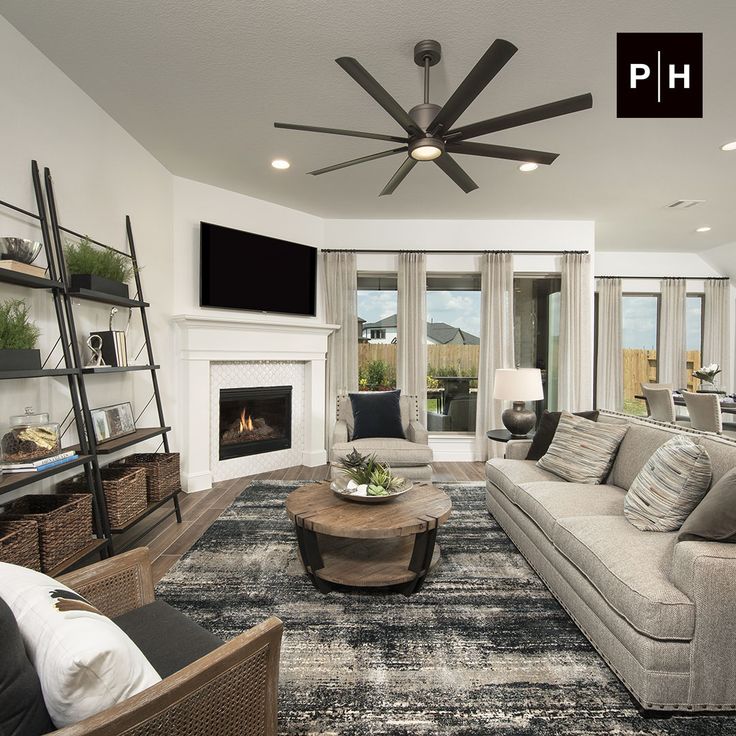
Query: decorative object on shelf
{"points": [[112, 344], [18, 337], [97, 269], [30, 437], [518, 385], [162, 472], [707, 377], [64, 524], [25, 268], [113, 421], [39, 466], [94, 343], [19, 543], [368, 481], [20, 250]]}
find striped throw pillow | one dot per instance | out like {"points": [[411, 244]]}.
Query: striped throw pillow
{"points": [[582, 451], [669, 486]]}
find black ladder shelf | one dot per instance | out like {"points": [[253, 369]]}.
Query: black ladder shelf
{"points": [[137, 302], [86, 456]]}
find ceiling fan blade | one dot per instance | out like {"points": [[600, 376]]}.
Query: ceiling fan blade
{"points": [[522, 117], [490, 64], [360, 160], [379, 94], [399, 176], [340, 131], [527, 155], [453, 169]]}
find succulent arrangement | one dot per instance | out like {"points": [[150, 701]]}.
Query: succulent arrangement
{"points": [[84, 258], [365, 470]]}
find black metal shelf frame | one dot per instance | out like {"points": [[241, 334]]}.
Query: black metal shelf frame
{"points": [[71, 370], [68, 298]]}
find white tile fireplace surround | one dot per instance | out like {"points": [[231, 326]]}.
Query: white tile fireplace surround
{"points": [[232, 352]]}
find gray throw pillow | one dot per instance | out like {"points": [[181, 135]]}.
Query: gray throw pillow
{"points": [[582, 451], [714, 518], [669, 486]]}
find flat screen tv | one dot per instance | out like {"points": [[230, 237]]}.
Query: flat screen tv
{"points": [[240, 270]]}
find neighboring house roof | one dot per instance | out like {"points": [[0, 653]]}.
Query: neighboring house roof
{"points": [[440, 332], [361, 321]]}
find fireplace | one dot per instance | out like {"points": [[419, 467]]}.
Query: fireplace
{"points": [[254, 420]]}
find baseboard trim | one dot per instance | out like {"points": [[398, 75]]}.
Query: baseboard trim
{"points": [[195, 482], [314, 459]]}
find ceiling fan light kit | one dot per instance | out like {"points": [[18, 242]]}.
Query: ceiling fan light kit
{"points": [[428, 126]]}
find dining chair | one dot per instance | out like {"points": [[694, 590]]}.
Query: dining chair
{"points": [[660, 402], [704, 410]]}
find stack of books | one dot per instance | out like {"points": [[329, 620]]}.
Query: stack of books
{"points": [[45, 463]]}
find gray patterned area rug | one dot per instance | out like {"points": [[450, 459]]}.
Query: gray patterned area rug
{"points": [[483, 648]]}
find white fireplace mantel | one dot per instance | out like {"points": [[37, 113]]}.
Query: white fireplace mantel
{"points": [[201, 340]]}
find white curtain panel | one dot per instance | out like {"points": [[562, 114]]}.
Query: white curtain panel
{"points": [[496, 344], [575, 389], [341, 307], [411, 329], [610, 373], [717, 329], [672, 357]]}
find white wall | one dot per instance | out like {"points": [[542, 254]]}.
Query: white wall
{"points": [[100, 175]]}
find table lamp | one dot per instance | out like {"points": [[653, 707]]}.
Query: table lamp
{"points": [[518, 385]]}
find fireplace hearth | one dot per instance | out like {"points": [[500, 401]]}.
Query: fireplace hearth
{"points": [[254, 420]]}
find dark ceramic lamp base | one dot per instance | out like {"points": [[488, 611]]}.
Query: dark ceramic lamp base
{"points": [[519, 420]]}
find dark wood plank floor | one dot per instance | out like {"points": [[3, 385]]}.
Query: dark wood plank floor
{"points": [[168, 541]]}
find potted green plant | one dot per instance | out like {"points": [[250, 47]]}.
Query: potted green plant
{"points": [[18, 337], [96, 268]]}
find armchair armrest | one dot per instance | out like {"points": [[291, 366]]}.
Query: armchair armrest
{"points": [[517, 449], [417, 433], [229, 692], [340, 433], [117, 585], [706, 573]]}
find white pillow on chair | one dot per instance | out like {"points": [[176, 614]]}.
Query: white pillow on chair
{"points": [[84, 661]]}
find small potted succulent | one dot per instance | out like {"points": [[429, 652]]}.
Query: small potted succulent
{"points": [[707, 377], [18, 337], [368, 477], [96, 268]]}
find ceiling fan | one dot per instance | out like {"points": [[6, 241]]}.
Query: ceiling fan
{"points": [[429, 132]]}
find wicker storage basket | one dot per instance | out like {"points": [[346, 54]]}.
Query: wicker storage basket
{"points": [[64, 523], [19, 543], [124, 489], [162, 472]]}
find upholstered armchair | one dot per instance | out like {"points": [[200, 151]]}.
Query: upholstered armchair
{"points": [[410, 457]]}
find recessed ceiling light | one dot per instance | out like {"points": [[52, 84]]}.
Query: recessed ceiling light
{"points": [[280, 163], [729, 146], [704, 229], [528, 167]]}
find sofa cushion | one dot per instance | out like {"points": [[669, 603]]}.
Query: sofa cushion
{"points": [[391, 450], [376, 414], [639, 444], [722, 454], [22, 710], [547, 501], [169, 639], [546, 431], [629, 568], [583, 451], [669, 486], [508, 475], [714, 518]]}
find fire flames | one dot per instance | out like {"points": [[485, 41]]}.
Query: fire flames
{"points": [[246, 423]]}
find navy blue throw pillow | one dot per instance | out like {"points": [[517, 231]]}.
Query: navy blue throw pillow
{"points": [[22, 710], [376, 414]]}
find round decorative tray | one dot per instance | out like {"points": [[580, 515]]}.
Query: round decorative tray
{"points": [[358, 493]]}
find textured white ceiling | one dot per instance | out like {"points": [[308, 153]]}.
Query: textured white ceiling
{"points": [[200, 82]]}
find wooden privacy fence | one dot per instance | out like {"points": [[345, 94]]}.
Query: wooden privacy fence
{"points": [[640, 366], [463, 358]]}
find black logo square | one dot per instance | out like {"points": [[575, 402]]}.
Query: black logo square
{"points": [[659, 75]]}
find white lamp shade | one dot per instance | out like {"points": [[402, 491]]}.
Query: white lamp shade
{"points": [[518, 384]]}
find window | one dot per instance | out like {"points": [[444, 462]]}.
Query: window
{"points": [[640, 335], [453, 350], [694, 324], [537, 331], [376, 332]]}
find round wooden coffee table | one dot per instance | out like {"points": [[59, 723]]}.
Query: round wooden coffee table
{"points": [[390, 544]]}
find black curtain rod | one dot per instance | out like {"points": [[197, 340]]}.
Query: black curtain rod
{"points": [[458, 252], [664, 278]]}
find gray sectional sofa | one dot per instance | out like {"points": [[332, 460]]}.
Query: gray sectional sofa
{"points": [[661, 613]]}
